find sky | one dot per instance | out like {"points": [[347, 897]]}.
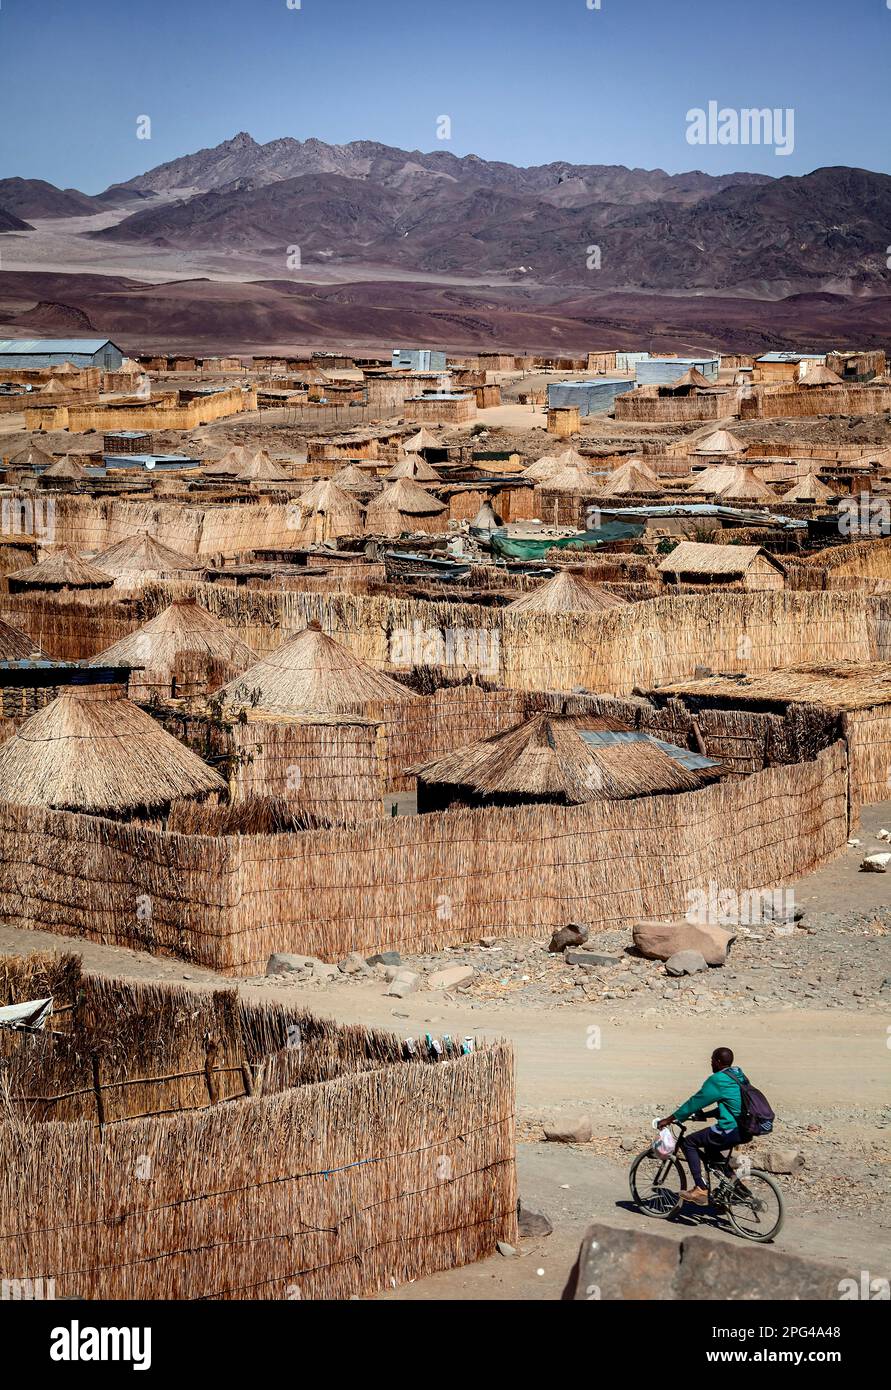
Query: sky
{"points": [[525, 81]]}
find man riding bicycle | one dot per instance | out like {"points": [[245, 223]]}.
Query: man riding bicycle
{"points": [[721, 1089]]}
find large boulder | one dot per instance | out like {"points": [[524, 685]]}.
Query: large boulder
{"points": [[618, 1264], [575, 1130], [660, 940]]}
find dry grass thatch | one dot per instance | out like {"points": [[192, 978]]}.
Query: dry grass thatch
{"points": [[31, 457], [66, 468], [326, 512], [720, 442], [403, 506], [416, 443], [92, 750], [60, 570], [183, 651], [572, 478], [543, 468], [694, 557], [142, 554], [413, 466], [16, 645], [568, 759], [311, 673], [846, 685], [566, 593], [632, 478], [745, 486], [808, 488]]}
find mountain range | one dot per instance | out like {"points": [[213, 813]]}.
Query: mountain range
{"points": [[366, 212]]}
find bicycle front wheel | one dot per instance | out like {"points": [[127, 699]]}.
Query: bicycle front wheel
{"points": [[755, 1207], [656, 1184]]}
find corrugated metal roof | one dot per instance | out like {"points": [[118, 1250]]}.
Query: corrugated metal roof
{"points": [[791, 357], [26, 345], [685, 756]]}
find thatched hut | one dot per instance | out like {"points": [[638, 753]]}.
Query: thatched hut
{"points": [[719, 442], [325, 512], [566, 593], [723, 566], [745, 486], [818, 374], [31, 458], [262, 469], [142, 557], [356, 480], [404, 507], [16, 645], [91, 750], [808, 488], [413, 466], [562, 759], [64, 470], [632, 479], [692, 380], [420, 442], [543, 468], [572, 478], [312, 674], [57, 573], [182, 652]]}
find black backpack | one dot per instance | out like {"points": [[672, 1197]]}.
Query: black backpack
{"points": [[755, 1117]]}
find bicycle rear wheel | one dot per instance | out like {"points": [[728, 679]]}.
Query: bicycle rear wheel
{"points": [[755, 1207], [656, 1184]]}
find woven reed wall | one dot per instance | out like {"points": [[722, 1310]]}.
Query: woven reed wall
{"points": [[869, 740], [630, 405], [415, 882], [334, 771], [815, 400], [320, 1190], [88, 524]]}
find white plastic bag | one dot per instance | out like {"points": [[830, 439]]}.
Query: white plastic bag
{"points": [[666, 1143]]}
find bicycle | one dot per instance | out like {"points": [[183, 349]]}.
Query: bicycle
{"points": [[751, 1201]]}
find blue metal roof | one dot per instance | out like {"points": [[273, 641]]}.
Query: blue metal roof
{"points": [[26, 345], [684, 756]]}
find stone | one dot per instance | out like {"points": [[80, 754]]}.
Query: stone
{"points": [[532, 1223], [450, 978], [876, 863], [404, 982], [387, 972], [660, 940], [489, 941], [284, 964], [353, 965], [589, 959], [324, 972], [779, 1161], [686, 963], [384, 958], [575, 1130], [504, 1249], [615, 1264], [571, 935]]}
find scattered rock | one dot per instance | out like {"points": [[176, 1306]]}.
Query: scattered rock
{"points": [[505, 1249], [686, 963], [284, 964], [404, 982], [324, 972], [450, 978], [488, 941], [661, 940], [387, 972], [576, 1130], [876, 863], [780, 1161], [353, 965], [571, 935], [532, 1223], [589, 959], [384, 958]]}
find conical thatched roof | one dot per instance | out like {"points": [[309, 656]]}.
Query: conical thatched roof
{"points": [[92, 750], [66, 467], [402, 499], [692, 377], [262, 469], [548, 758], [312, 674], [712, 480], [572, 478], [142, 553], [720, 442], [412, 466], [228, 464], [61, 570], [746, 486], [566, 593], [543, 468], [808, 489], [16, 645], [819, 375], [184, 646], [32, 456], [353, 479], [422, 440], [52, 388], [327, 512], [631, 479]]}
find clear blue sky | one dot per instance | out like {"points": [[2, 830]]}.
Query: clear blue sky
{"points": [[526, 81]]}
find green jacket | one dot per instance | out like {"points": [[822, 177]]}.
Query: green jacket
{"points": [[721, 1089]]}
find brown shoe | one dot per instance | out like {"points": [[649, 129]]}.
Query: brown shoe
{"points": [[697, 1195]]}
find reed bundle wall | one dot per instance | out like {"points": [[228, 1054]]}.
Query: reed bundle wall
{"points": [[307, 1189], [808, 401], [416, 883], [869, 740], [675, 410], [87, 524]]}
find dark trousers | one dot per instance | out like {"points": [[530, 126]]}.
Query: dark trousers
{"points": [[707, 1144]]}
